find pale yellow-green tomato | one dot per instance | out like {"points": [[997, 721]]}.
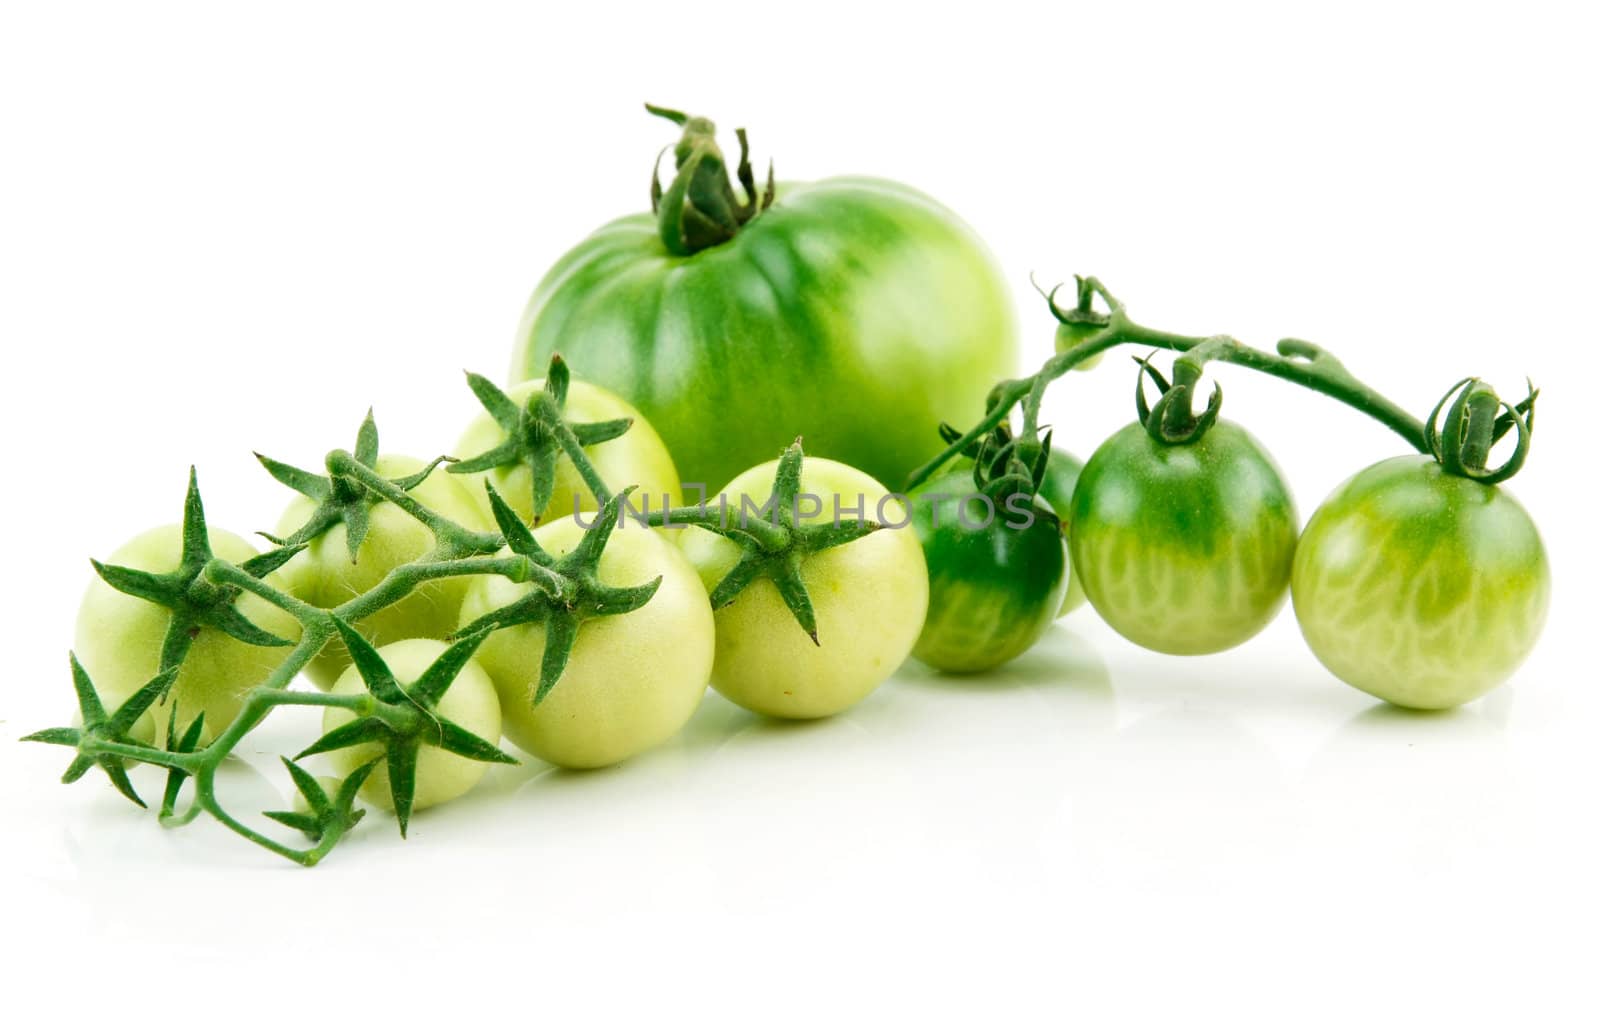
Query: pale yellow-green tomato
{"points": [[324, 574], [633, 680], [442, 776], [637, 457], [118, 640], [870, 597]]}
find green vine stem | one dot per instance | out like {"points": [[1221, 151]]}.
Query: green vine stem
{"points": [[698, 209], [1297, 361]]}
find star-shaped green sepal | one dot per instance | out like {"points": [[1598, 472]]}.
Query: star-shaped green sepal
{"points": [[100, 728], [324, 816], [778, 548], [533, 431], [195, 602], [403, 720], [340, 500], [1003, 465], [574, 596]]}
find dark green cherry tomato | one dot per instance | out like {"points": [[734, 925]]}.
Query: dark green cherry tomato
{"points": [[1183, 549], [996, 573], [1423, 588]]}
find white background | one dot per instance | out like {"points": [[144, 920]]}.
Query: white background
{"points": [[226, 229]]}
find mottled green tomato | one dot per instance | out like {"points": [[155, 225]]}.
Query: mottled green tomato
{"points": [[1060, 481], [118, 640], [870, 597], [997, 573], [1423, 588], [1183, 549], [632, 681], [325, 575], [442, 776], [637, 457], [1070, 335], [856, 312]]}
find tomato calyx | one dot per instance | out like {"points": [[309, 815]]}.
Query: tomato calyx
{"points": [[326, 817], [1171, 420], [102, 732], [1005, 466], [566, 592], [537, 434], [339, 498], [774, 540], [699, 209], [195, 602], [401, 721], [1472, 426]]}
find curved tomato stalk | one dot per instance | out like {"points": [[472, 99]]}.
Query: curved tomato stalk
{"points": [[699, 209]]}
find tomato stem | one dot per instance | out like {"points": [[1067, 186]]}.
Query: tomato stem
{"points": [[1297, 361], [699, 209]]}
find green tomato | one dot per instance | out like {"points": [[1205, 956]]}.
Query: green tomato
{"points": [[1423, 588], [1070, 335], [997, 573], [859, 294], [324, 574], [637, 457], [632, 681], [118, 640], [1060, 481], [442, 776], [870, 597], [1183, 549]]}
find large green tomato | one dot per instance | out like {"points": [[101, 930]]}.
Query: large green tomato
{"points": [[118, 640], [1420, 587], [1060, 481], [997, 573], [1183, 549], [324, 574], [632, 680], [870, 597], [856, 312], [470, 702], [637, 457]]}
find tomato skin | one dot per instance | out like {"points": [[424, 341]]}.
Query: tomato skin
{"points": [[1183, 549], [1060, 481], [633, 680], [637, 457], [1422, 588], [324, 575], [870, 598], [859, 294], [118, 640], [442, 776], [993, 591]]}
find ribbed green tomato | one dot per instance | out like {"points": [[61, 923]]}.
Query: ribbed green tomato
{"points": [[997, 573], [1183, 549], [1423, 588], [118, 639], [637, 457], [856, 312], [632, 681], [324, 575], [1060, 481], [470, 703], [870, 596]]}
